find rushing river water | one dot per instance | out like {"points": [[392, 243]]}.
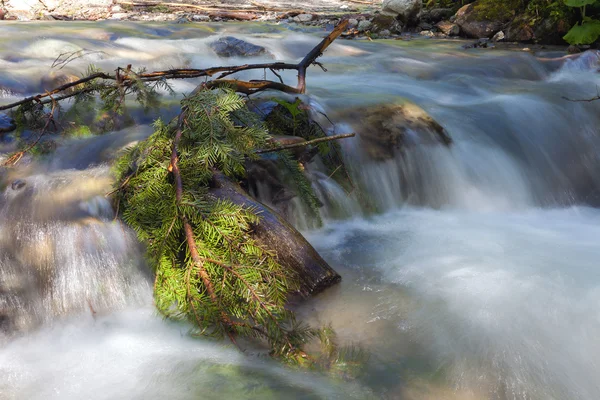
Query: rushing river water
{"points": [[477, 279]]}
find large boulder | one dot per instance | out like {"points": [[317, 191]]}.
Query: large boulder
{"points": [[406, 11], [436, 15], [232, 47], [473, 25], [545, 31], [383, 22], [519, 31], [386, 129]]}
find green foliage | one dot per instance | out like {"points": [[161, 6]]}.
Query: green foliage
{"points": [[302, 184], [250, 286], [498, 10], [292, 118], [579, 3], [586, 32], [293, 109]]}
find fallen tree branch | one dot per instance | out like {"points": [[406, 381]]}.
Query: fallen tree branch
{"points": [[582, 100], [189, 233], [62, 88], [251, 87], [317, 52], [125, 78], [307, 143]]}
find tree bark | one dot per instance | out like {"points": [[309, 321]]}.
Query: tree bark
{"points": [[275, 233]]}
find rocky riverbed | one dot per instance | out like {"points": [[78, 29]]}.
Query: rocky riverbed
{"points": [[372, 19]]}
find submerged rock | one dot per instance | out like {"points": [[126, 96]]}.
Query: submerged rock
{"points": [[232, 47], [387, 128], [7, 124]]}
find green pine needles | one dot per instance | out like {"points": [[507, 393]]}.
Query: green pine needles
{"points": [[208, 268]]}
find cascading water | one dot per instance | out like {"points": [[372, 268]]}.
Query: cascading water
{"points": [[476, 279]]}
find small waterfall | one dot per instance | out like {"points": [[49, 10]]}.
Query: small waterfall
{"points": [[63, 252]]}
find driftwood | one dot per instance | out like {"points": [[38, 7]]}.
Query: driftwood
{"points": [[274, 232], [125, 77]]}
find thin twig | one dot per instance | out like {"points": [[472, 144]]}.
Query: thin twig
{"points": [[307, 143], [582, 100]]}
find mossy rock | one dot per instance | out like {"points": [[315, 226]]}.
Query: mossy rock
{"points": [[386, 129]]}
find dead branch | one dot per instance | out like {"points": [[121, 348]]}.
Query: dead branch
{"points": [[250, 87], [307, 143], [317, 52], [125, 77], [582, 100], [62, 88]]}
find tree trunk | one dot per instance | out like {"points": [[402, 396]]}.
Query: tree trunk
{"points": [[275, 233]]}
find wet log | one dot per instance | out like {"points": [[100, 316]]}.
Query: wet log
{"points": [[274, 232]]}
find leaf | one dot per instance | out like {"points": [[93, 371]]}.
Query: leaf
{"points": [[579, 3], [587, 33]]}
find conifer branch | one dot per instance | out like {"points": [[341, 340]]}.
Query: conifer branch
{"points": [[189, 233], [16, 157]]}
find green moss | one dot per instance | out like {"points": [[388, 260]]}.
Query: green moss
{"points": [[494, 10], [160, 8]]}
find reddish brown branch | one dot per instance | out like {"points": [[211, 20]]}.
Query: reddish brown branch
{"points": [[317, 52], [189, 232], [99, 75], [251, 87]]}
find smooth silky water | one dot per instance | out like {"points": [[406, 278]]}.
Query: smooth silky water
{"points": [[477, 277]]}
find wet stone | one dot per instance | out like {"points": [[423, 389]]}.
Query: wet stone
{"points": [[17, 184], [7, 124], [232, 47]]}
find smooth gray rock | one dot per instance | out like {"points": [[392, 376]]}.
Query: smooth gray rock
{"points": [[232, 47], [405, 10]]}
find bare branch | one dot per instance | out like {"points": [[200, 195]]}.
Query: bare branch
{"points": [[307, 143], [124, 79]]}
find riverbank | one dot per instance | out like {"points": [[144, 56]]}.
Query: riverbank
{"points": [[368, 20]]}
